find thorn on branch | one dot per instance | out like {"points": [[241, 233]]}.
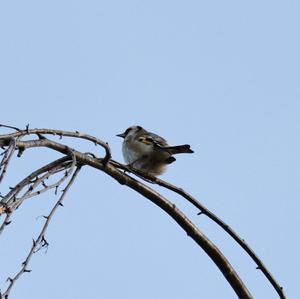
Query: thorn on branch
{"points": [[26, 271], [33, 242], [7, 222], [46, 217], [44, 242], [60, 204], [44, 184], [20, 151], [200, 213], [41, 137], [9, 279], [27, 129]]}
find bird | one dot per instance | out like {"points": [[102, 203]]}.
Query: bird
{"points": [[149, 152]]}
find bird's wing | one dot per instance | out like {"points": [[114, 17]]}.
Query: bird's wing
{"points": [[152, 139]]}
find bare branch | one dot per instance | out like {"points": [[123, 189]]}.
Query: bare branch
{"points": [[6, 158], [227, 270], [60, 133], [5, 222], [228, 229], [7, 201], [110, 167], [40, 240], [10, 127], [213, 217], [14, 204]]}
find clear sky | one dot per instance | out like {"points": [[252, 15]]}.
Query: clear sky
{"points": [[223, 76]]}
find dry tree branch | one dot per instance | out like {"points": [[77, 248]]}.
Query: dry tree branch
{"points": [[40, 240], [111, 168], [40, 180], [213, 217], [104, 165], [61, 133], [229, 230], [159, 200], [7, 157], [9, 199], [5, 222]]}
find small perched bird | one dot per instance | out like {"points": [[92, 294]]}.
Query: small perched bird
{"points": [[147, 151]]}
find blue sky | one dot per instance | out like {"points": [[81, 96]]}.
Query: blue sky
{"points": [[221, 76]]}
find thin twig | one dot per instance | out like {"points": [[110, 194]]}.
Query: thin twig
{"points": [[40, 240], [29, 193], [6, 201], [5, 222], [10, 127], [7, 157], [53, 166]]}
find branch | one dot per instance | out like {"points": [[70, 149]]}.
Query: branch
{"points": [[40, 240], [101, 164], [213, 217], [59, 133], [7, 157], [111, 168], [229, 230], [7, 201]]}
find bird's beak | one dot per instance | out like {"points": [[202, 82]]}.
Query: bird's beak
{"points": [[122, 135]]}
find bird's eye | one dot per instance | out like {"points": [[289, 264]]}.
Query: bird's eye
{"points": [[139, 128]]}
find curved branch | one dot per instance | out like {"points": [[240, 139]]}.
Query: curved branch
{"points": [[111, 168], [48, 167], [213, 217], [124, 179], [191, 229], [229, 230], [5, 206], [60, 133]]}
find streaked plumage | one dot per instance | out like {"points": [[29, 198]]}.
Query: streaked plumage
{"points": [[147, 151]]}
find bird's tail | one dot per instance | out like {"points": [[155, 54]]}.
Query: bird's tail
{"points": [[178, 149]]}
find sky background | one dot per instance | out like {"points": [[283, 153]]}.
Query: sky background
{"points": [[222, 76]]}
